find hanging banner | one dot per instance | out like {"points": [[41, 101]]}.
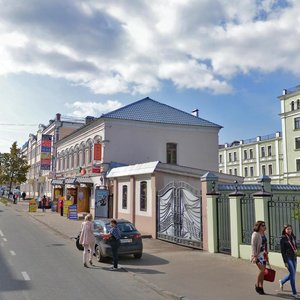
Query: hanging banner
{"points": [[97, 152], [46, 144]]}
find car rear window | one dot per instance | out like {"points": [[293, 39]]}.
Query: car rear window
{"points": [[124, 227]]}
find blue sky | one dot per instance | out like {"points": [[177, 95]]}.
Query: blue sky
{"points": [[229, 60]]}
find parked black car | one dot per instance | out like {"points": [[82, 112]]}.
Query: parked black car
{"points": [[131, 239]]}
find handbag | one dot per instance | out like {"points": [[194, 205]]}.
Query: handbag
{"points": [[269, 274]]}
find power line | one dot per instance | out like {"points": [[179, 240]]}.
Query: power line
{"points": [[14, 124]]}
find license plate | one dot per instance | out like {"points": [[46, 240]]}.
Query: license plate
{"points": [[125, 241]]}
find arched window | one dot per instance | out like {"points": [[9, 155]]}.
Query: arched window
{"points": [[83, 155], [292, 105], [67, 161], [298, 103], [72, 160], [143, 196], [124, 196], [90, 152]]}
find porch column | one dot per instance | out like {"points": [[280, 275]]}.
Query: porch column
{"points": [[132, 198], [261, 199], [235, 222], [209, 212], [115, 198]]}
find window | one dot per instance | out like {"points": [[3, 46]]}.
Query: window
{"points": [[235, 172], [263, 154], [245, 154], [246, 172], [269, 150], [171, 153], [72, 161], [298, 165], [297, 143], [251, 172], [77, 159], [292, 105], [124, 197], [143, 196], [298, 103], [220, 158], [251, 153], [234, 156], [297, 123], [68, 161], [263, 170], [270, 170], [83, 156], [230, 171], [229, 157]]}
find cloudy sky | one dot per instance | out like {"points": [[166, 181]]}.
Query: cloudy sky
{"points": [[230, 59]]}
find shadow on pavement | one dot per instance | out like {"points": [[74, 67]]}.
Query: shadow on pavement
{"points": [[143, 271], [281, 296], [7, 281], [146, 260]]}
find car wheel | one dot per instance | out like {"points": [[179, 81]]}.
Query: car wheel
{"points": [[99, 254], [137, 255], [78, 245]]}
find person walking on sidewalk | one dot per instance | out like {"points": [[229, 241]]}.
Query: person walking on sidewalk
{"points": [[288, 249], [61, 206], [44, 202], [87, 239], [259, 253], [115, 235]]}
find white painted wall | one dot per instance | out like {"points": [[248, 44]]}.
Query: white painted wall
{"points": [[137, 142]]}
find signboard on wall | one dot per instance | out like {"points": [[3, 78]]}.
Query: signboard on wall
{"points": [[101, 203], [97, 152], [46, 144]]}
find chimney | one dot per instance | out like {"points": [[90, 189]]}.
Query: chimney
{"points": [[195, 112], [284, 92], [58, 115], [89, 119]]}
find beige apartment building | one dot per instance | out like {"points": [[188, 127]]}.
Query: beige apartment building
{"points": [[276, 155], [39, 178]]}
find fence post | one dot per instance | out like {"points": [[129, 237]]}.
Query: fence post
{"points": [[209, 212], [235, 222], [261, 199]]}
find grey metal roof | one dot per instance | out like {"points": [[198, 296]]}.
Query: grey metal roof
{"points": [[149, 110]]}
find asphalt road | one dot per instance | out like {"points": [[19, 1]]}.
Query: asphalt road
{"points": [[36, 263]]}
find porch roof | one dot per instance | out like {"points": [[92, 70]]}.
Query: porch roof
{"points": [[57, 181], [84, 180], [70, 180], [138, 169]]}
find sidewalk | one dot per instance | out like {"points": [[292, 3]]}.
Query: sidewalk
{"points": [[180, 272]]}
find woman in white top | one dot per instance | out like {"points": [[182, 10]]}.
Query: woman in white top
{"points": [[87, 239], [259, 253]]}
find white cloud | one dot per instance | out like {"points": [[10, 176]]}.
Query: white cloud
{"points": [[131, 47], [82, 109]]}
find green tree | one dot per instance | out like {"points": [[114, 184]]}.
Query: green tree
{"points": [[13, 167]]}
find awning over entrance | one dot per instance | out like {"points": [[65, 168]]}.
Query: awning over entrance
{"points": [[85, 180], [57, 182], [70, 180]]}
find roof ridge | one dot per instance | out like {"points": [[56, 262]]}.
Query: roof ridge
{"points": [[159, 103]]}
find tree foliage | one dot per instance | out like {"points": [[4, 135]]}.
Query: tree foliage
{"points": [[13, 166]]}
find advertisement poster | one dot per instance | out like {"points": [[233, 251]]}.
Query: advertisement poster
{"points": [[73, 215], [32, 206], [46, 144], [97, 152], [67, 203], [101, 203]]}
